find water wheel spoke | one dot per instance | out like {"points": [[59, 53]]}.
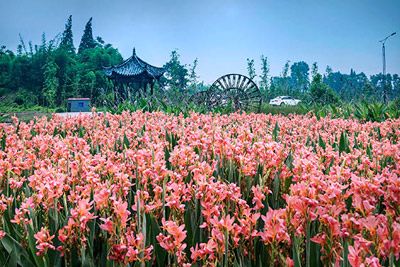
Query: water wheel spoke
{"points": [[221, 86], [235, 89], [225, 81], [233, 80], [228, 82], [237, 81]]}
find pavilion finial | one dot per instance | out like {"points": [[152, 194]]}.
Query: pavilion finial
{"points": [[134, 52]]}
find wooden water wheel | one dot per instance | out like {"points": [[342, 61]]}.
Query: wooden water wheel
{"points": [[236, 90]]}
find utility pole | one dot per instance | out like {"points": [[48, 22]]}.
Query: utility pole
{"points": [[385, 93]]}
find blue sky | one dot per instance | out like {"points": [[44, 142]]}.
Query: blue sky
{"points": [[222, 34]]}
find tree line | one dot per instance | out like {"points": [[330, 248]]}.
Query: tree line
{"points": [[48, 73], [329, 87]]}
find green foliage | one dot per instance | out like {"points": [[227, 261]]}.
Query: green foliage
{"points": [[87, 40], [264, 84], [49, 74], [50, 83], [294, 84], [344, 144], [281, 85], [314, 70], [151, 104], [371, 112], [6, 58], [368, 92], [193, 84], [67, 42], [251, 69], [321, 93], [362, 111], [275, 132], [284, 110], [299, 76], [353, 86], [176, 76]]}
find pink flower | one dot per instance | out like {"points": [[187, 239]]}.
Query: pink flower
{"points": [[225, 223], [43, 241], [258, 198], [354, 259], [107, 225], [120, 209], [2, 234], [82, 212], [173, 242], [275, 227]]}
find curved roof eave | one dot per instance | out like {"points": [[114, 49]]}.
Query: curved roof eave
{"points": [[134, 66]]}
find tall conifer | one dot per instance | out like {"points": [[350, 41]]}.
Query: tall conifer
{"points": [[87, 40], [67, 42]]}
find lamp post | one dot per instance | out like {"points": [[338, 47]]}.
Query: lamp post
{"points": [[383, 41]]}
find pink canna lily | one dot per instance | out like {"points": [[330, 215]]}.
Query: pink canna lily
{"points": [[107, 225], [275, 227], [225, 181], [43, 241]]}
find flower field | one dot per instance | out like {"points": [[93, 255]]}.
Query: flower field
{"points": [[151, 189]]}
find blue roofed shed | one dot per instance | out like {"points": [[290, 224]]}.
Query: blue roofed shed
{"points": [[78, 105]]}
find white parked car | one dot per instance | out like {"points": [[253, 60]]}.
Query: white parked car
{"points": [[284, 100]]}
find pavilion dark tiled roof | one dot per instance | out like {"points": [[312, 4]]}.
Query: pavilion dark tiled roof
{"points": [[134, 66]]}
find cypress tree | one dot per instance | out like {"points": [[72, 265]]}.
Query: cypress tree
{"points": [[87, 40], [67, 42]]}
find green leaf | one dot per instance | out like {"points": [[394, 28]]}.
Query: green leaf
{"points": [[378, 132], [369, 151], [275, 132], [55, 132], [126, 141], [275, 192], [31, 241], [10, 247], [308, 248], [154, 229], [295, 252], [81, 132], [321, 143], [345, 253], [3, 141], [189, 226], [356, 145], [308, 141], [315, 248], [344, 143], [16, 254], [289, 161], [33, 132]]}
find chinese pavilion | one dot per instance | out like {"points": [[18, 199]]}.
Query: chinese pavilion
{"points": [[133, 76]]}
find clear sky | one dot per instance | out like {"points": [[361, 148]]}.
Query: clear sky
{"points": [[222, 34]]}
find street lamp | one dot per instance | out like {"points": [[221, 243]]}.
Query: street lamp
{"points": [[383, 41]]}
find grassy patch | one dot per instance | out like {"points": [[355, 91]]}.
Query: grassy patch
{"points": [[284, 110]]}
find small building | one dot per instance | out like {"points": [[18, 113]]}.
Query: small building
{"points": [[132, 77], [78, 105]]}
